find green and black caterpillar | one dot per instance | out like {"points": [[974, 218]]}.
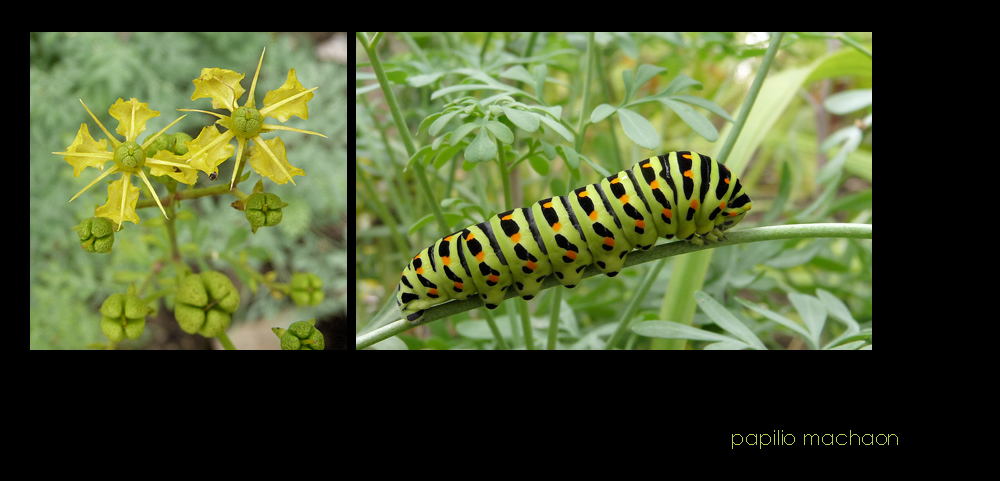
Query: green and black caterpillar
{"points": [[683, 195]]}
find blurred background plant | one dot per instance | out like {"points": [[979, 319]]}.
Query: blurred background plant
{"points": [[69, 284]]}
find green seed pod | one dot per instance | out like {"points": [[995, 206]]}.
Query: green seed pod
{"points": [[177, 146], [301, 336], [307, 289], [159, 144], [204, 303], [123, 315], [264, 209], [247, 122], [130, 157], [97, 234]]}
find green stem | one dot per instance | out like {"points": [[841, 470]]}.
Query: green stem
{"points": [[185, 194], [226, 343], [758, 234], [758, 82], [404, 131]]}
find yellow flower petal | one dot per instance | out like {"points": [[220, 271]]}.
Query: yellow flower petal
{"points": [[262, 162], [114, 209], [273, 101], [132, 117], [188, 173], [84, 143], [210, 149], [221, 85]]}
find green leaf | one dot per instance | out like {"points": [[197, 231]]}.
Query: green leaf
{"points": [[500, 131], [705, 104], [481, 149], [646, 72], [843, 103], [726, 320], [458, 134], [540, 71], [441, 122], [673, 330], [698, 122], [638, 129], [812, 311], [558, 127], [518, 73], [679, 83], [539, 164], [627, 79], [425, 79], [784, 321], [570, 155], [396, 76], [601, 112], [525, 121]]}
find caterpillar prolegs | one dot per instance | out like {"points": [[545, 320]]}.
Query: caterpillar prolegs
{"points": [[683, 195]]}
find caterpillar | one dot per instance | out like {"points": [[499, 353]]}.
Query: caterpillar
{"points": [[683, 195]]}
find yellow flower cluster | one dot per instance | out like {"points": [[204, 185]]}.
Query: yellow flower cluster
{"points": [[205, 153]]}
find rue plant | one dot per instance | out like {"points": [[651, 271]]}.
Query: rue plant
{"points": [[205, 302]]}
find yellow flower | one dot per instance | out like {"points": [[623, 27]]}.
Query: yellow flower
{"points": [[246, 122], [129, 158]]}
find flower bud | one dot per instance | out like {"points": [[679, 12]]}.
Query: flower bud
{"points": [[204, 303], [264, 209], [123, 315], [97, 234], [301, 336], [307, 289]]}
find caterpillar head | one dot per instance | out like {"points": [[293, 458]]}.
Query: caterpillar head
{"points": [[735, 211]]}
